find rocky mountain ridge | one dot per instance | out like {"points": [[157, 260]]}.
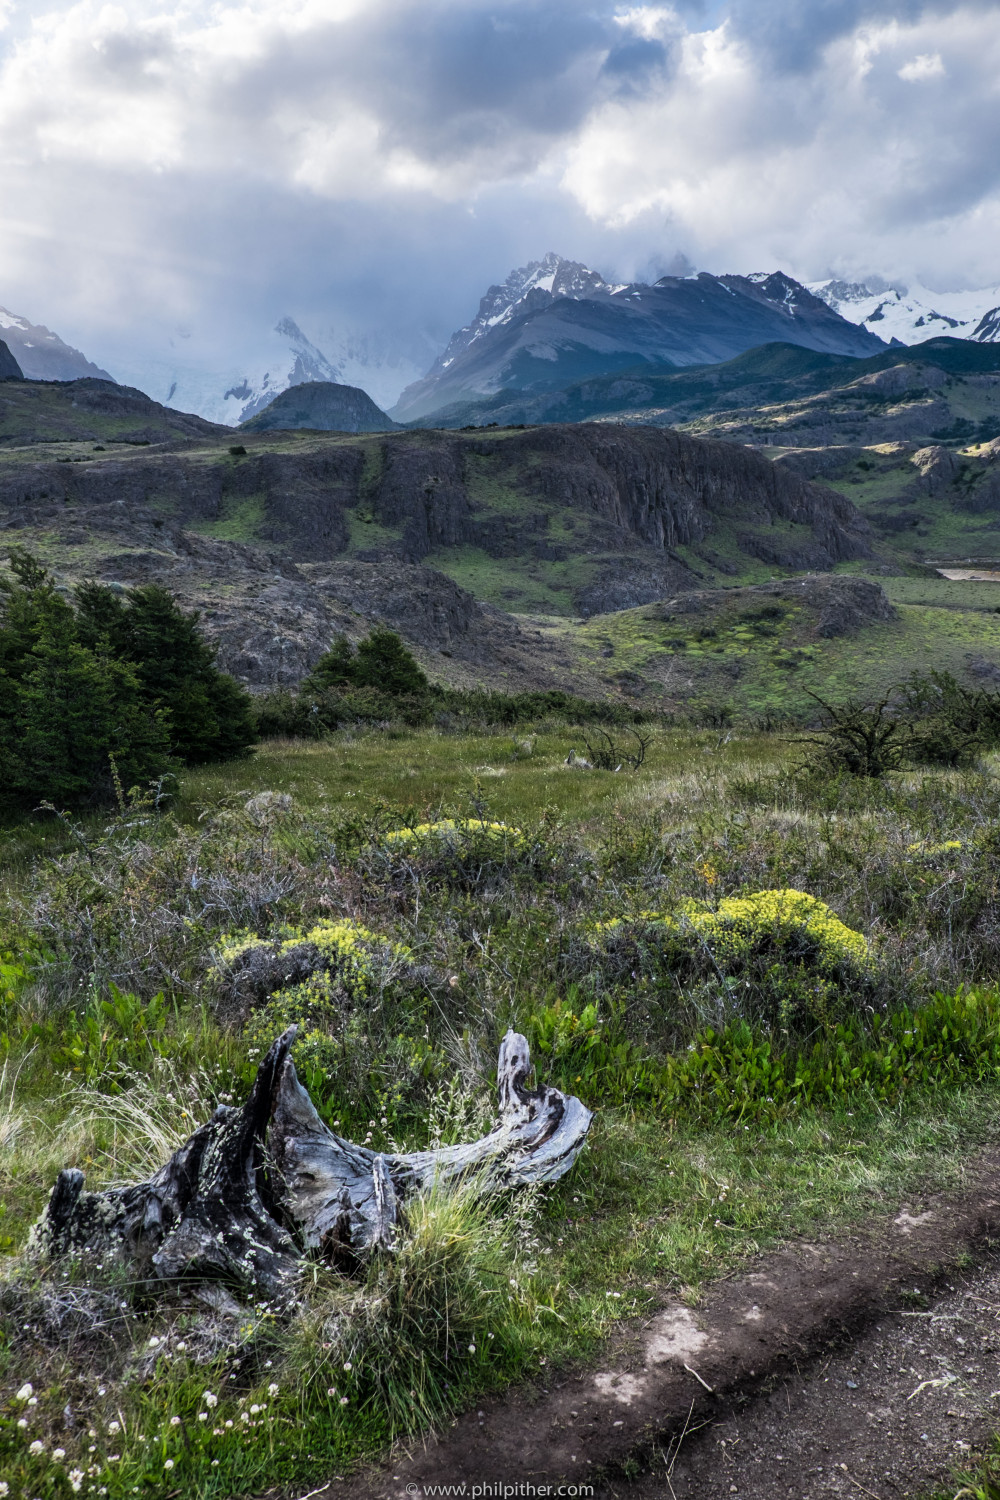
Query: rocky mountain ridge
{"points": [[555, 322], [561, 518], [42, 354]]}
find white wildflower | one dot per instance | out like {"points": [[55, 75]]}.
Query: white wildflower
{"points": [[203, 1416], [58, 1454], [472, 1348], [343, 1400], [175, 1421], [169, 1463], [36, 1447], [75, 1477], [273, 1389], [26, 1390], [114, 1427], [209, 1400]]}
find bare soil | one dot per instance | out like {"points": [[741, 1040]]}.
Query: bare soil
{"points": [[865, 1364]]}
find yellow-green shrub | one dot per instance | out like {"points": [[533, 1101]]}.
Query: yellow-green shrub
{"points": [[780, 956]]}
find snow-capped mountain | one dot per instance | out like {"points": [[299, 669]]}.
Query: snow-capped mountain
{"points": [[911, 313], [41, 354], [551, 277], [554, 322], [186, 371]]}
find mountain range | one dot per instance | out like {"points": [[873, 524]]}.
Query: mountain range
{"points": [[552, 327], [911, 314], [555, 322]]}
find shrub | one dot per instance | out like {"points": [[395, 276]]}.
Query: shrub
{"points": [[362, 1048], [781, 957], [862, 739], [465, 853]]}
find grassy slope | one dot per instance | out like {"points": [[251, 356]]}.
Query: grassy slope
{"points": [[655, 1204]]}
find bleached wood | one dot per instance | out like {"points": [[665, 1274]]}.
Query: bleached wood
{"points": [[255, 1189]]}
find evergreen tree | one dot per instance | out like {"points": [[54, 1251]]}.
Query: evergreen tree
{"points": [[120, 675], [65, 709], [208, 714], [335, 669], [383, 662], [78, 710]]}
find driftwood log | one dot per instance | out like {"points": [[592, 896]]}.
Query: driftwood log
{"points": [[257, 1189]]}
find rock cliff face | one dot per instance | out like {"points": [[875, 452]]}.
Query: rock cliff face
{"points": [[612, 502]]}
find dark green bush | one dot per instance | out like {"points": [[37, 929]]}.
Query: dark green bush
{"points": [[208, 715]]}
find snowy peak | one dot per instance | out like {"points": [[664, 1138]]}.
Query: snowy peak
{"points": [[533, 285], [42, 354], [987, 330], [912, 314], [298, 362], [555, 322]]}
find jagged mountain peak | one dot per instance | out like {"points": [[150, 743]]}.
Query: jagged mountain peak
{"points": [[9, 367], [536, 283], [555, 321]]}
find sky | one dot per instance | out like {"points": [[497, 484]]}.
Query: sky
{"points": [[370, 167]]}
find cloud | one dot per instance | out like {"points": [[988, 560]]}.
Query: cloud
{"points": [[927, 65], [375, 164], [839, 163]]}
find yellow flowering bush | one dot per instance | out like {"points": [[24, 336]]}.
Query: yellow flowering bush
{"points": [[342, 952], [355, 997], [453, 832], [782, 956], [465, 852]]}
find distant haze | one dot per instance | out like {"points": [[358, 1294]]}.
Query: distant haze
{"points": [[177, 179]]}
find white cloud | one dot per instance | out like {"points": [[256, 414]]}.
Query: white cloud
{"points": [[831, 164], [927, 65]]}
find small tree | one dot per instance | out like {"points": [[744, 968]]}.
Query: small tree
{"points": [[862, 739], [381, 662]]}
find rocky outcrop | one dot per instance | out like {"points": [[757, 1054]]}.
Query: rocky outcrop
{"points": [[838, 605]]}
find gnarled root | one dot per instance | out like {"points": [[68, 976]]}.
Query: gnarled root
{"points": [[256, 1189]]}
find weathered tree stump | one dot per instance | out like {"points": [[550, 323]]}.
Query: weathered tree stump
{"points": [[255, 1190]]}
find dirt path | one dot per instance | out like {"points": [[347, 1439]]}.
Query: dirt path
{"points": [[890, 1416], [753, 1379]]}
